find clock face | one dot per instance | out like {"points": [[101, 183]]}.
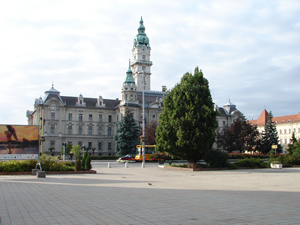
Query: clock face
{"points": [[143, 49]]}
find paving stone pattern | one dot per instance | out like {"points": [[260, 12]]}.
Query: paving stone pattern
{"points": [[120, 195]]}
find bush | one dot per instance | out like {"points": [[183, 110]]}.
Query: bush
{"points": [[48, 164], [83, 160], [251, 162], [216, 159], [245, 155], [78, 164], [88, 165]]}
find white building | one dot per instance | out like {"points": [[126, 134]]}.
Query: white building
{"points": [[92, 122], [285, 125]]}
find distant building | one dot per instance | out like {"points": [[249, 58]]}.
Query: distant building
{"points": [[92, 122], [285, 125]]}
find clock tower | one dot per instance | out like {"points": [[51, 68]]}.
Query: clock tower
{"points": [[141, 63]]}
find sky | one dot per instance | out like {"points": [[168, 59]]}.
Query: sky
{"points": [[248, 50]]}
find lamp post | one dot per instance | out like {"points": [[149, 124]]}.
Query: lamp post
{"points": [[143, 140]]}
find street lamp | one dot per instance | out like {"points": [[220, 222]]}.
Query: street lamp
{"points": [[143, 139]]}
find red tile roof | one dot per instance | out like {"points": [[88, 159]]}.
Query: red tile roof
{"points": [[279, 119]]}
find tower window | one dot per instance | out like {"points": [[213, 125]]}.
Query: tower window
{"points": [[80, 117], [144, 57], [100, 118], [52, 129], [53, 116], [109, 118], [90, 117], [70, 116]]}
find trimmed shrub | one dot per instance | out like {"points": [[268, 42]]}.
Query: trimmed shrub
{"points": [[78, 164], [83, 160], [216, 159], [251, 162], [88, 165]]}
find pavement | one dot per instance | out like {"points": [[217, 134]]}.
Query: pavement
{"points": [[152, 195]]}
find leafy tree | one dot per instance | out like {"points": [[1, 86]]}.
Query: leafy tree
{"points": [[76, 149], [270, 135], [239, 136], [150, 133], [88, 164], [127, 135], [188, 121]]}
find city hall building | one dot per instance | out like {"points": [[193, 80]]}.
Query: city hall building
{"points": [[92, 122]]}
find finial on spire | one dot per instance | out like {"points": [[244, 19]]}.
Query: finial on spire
{"points": [[129, 64]]}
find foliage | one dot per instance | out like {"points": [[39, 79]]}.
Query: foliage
{"points": [[270, 135], [78, 164], [83, 160], [216, 159], [245, 155], [76, 150], [127, 135], [164, 156], [17, 165], [239, 136], [150, 133], [88, 164], [294, 147], [251, 162], [48, 164], [188, 121]]}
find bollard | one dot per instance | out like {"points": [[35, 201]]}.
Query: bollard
{"points": [[33, 171], [143, 165], [126, 164], [41, 174], [109, 166]]}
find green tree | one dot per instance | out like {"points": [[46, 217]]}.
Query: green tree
{"points": [[294, 147], [270, 136], [188, 121], [239, 136], [76, 149], [127, 134]]}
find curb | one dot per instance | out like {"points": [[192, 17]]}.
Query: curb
{"points": [[50, 172]]}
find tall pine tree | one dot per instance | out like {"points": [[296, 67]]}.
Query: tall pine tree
{"points": [[127, 135], [270, 135]]}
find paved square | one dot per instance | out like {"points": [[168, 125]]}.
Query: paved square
{"points": [[153, 195]]}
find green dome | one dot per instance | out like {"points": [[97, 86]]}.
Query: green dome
{"points": [[141, 38], [129, 78]]}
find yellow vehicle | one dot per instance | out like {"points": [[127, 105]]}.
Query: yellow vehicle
{"points": [[149, 153]]}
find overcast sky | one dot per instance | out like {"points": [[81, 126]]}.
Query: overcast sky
{"points": [[248, 50]]}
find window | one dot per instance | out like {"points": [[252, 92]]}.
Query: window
{"points": [[99, 131], [52, 129], [80, 102], [285, 131], [99, 145], [100, 118], [298, 130], [69, 129], [80, 117], [109, 118], [109, 146], [52, 143], [144, 57], [280, 131], [285, 141], [290, 131], [109, 131], [294, 130], [80, 130], [90, 145], [80, 143], [90, 117], [90, 130], [143, 67], [52, 115], [70, 116], [224, 123]]}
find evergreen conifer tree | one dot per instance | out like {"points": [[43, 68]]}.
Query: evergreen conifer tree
{"points": [[127, 135], [270, 136]]}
